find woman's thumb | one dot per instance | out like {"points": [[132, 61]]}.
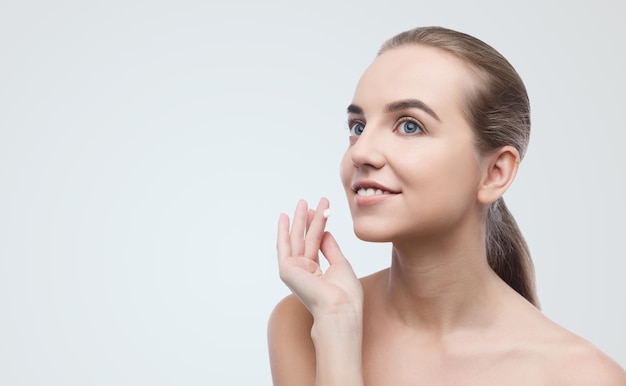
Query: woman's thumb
{"points": [[331, 250]]}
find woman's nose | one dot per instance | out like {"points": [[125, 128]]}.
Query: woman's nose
{"points": [[366, 150]]}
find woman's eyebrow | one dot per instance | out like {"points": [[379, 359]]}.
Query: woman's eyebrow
{"points": [[354, 109], [399, 105], [410, 103]]}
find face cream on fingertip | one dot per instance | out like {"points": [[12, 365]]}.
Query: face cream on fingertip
{"points": [[326, 213]]}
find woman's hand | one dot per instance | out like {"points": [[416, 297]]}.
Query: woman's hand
{"points": [[325, 294], [334, 297]]}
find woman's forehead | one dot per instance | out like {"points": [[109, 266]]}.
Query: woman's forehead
{"points": [[414, 71]]}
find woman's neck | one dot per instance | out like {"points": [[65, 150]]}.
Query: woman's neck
{"points": [[442, 285]]}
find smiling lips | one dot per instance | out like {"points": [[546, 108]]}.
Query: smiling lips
{"points": [[368, 193]]}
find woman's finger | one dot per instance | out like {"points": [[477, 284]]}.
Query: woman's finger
{"points": [[331, 250], [315, 231], [298, 228], [283, 244]]}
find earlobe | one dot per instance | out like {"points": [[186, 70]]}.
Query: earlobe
{"points": [[500, 170]]}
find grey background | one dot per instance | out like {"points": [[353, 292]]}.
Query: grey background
{"points": [[147, 148]]}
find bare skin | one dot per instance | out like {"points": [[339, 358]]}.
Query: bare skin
{"points": [[439, 315], [527, 350]]}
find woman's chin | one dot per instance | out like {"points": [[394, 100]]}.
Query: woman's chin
{"points": [[371, 235]]}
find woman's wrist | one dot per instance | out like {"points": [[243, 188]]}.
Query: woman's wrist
{"points": [[338, 347], [348, 324]]}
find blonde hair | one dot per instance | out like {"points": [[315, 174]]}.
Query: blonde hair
{"points": [[499, 111]]}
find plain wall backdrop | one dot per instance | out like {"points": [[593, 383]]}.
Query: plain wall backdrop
{"points": [[148, 147]]}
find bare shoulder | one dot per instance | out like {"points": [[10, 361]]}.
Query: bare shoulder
{"points": [[581, 363], [567, 359], [291, 350], [541, 352]]}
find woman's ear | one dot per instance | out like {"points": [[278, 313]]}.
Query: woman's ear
{"points": [[500, 170]]}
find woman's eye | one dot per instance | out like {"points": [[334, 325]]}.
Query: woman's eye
{"points": [[409, 127], [356, 128]]}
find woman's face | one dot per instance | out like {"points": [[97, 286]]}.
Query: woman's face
{"points": [[412, 169]]}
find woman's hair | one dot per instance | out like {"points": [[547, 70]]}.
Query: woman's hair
{"points": [[499, 111]]}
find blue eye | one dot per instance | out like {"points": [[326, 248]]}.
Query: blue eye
{"points": [[409, 127], [356, 128]]}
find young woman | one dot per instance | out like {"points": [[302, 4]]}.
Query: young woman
{"points": [[438, 125]]}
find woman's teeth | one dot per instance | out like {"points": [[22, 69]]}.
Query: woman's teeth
{"points": [[370, 192]]}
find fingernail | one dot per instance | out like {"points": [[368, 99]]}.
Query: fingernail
{"points": [[326, 213]]}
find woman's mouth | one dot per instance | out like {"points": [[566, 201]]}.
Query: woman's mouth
{"points": [[370, 193]]}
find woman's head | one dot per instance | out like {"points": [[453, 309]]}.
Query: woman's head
{"points": [[451, 101]]}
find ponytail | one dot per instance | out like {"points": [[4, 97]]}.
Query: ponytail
{"points": [[507, 252]]}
